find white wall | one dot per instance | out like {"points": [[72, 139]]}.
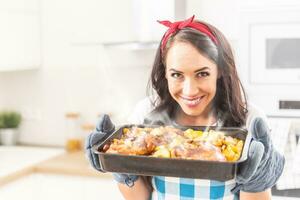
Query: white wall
{"points": [[221, 14], [77, 73]]}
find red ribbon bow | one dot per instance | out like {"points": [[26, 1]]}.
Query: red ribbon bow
{"points": [[175, 26]]}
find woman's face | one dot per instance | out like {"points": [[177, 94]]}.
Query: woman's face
{"points": [[192, 79]]}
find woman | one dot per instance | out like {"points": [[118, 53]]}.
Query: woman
{"points": [[196, 84]]}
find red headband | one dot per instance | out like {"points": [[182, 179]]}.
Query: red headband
{"points": [[175, 26]]}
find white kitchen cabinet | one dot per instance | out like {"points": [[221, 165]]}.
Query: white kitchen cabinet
{"points": [[20, 35], [93, 22], [12, 162], [50, 186]]}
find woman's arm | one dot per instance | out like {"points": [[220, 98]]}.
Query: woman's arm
{"points": [[140, 191], [265, 195]]}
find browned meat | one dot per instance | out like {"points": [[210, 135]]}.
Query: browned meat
{"points": [[201, 151]]}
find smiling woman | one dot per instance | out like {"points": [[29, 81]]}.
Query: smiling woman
{"points": [[195, 82]]}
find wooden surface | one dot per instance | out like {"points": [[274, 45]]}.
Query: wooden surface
{"points": [[14, 176], [70, 163]]}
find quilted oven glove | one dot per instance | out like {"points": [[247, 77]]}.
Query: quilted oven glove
{"points": [[104, 128], [264, 165]]}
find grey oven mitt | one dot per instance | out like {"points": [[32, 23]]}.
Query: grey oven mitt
{"points": [[103, 129], [264, 165]]}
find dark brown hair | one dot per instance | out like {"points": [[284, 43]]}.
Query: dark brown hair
{"points": [[230, 99]]}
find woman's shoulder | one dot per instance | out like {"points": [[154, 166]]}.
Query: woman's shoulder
{"points": [[141, 110], [254, 111]]}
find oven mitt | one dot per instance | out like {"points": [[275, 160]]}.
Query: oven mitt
{"points": [[264, 165], [104, 128]]}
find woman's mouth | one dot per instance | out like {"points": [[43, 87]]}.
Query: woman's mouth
{"points": [[191, 102]]}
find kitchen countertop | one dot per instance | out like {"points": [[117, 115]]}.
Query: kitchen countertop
{"points": [[19, 161], [73, 163]]}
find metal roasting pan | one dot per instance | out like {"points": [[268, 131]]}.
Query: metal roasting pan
{"points": [[172, 167]]}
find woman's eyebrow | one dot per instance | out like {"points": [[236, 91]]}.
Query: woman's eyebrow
{"points": [[172, 69], [201, 69]]}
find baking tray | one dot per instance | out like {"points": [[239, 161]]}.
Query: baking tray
{"points": [[172, 167]]}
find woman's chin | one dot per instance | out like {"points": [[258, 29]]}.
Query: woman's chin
{"points": [[192, 112]]}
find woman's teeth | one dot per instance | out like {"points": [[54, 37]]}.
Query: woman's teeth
{"points": [[192, 102]]}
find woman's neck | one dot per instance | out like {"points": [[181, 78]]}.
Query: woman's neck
{"points": [[206, 119]]}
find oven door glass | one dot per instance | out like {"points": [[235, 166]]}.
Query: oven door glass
{"points": [[282, 53]]}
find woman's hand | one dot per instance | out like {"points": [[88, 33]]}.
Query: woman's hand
{"points": [[104, 128], [264, 164]]}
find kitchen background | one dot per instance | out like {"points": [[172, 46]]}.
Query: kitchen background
{"points": [[65, 62]]}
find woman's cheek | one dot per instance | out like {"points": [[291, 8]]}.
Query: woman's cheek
{"points": [[174, 86]]}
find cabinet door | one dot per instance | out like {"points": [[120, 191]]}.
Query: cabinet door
{"points": [[19, 38], [43, 186]]}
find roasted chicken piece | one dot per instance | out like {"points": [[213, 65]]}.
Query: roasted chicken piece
{"points": [[199, 151], [132, 146]]}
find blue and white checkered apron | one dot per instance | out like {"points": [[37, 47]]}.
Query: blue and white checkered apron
{"points": [[174, 188]]}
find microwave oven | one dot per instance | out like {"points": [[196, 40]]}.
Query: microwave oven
{"points": [[274, 53]]}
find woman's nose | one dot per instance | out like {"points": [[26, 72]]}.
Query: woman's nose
{"points": [[190, 88]]}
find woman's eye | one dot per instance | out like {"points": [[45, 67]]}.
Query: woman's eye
{"points": [[176, 75], [203, 74]]}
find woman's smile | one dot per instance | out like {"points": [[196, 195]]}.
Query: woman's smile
{"points": [[192, 102]]}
